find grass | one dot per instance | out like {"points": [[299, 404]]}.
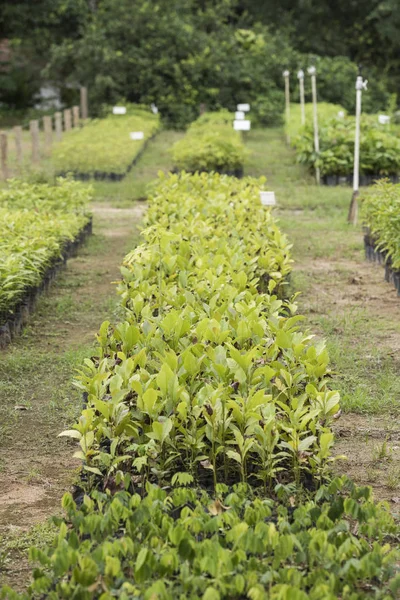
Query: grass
{"points": [[328, 254]]}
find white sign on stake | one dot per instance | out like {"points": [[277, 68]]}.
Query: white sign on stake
{"points": [[119, 110], [242, 125], [239, 115], [384, 119], [243, 107], [267, 198], [137, 135]]}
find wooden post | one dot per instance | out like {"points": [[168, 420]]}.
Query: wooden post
{"points": [[48, 133], [67, 119], [75, 114], [84, 103], [34, 129], [18, 144], [58, 125], [3, 149]]}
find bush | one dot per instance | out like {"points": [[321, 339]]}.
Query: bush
{"points": [[210, 144]]}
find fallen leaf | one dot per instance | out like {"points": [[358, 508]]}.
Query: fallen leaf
{"points": [[20, 407], [206, 464], [217, 508]]}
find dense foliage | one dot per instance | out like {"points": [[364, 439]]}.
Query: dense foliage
{"points": [[379, 144], [185, 544], [181, 54], [104, 145], [209, 375], [381, 216], [36, 223], [211, 144], [207, 413]]}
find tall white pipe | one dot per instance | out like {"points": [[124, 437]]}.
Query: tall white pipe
{"points": [[313, 72], [300, 76], [353, 212], [286, 75]]}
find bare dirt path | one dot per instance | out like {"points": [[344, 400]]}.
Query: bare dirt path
{"points": [[37, 400]]}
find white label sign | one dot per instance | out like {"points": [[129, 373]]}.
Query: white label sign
{"points": [[243, 107], [242, 125], [268, 198], [154, 109], [119, 110], [239, 114], [137, 135], [384, 119]]}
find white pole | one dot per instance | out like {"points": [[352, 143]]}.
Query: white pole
{"points": [[287, 100], [313, 72], [300, 76], [353, 212]]}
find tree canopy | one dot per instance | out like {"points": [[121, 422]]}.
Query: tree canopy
{"points": [[182, 53]]}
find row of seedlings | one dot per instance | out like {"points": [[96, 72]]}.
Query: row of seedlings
{"points": [[205, 438], [41, 225], [379, 145], [381, 218], [211, 144], [106, 149]]}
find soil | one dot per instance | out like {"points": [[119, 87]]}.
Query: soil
{"points": [[38, 466], [351, 288]]}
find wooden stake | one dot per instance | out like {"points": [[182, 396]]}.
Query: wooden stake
{"points": [[3, 149], [67, 119], [84, 103], [75, 114], [18, 144], [58, 125], [34, 129], [48, 133]]}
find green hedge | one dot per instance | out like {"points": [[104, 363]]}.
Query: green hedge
{"points": [[104, 145], [211, 144], [36, 223]]}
